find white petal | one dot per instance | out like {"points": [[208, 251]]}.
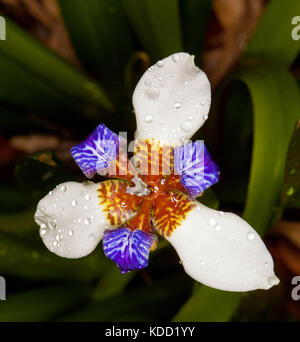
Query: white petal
{"points": [[171, 100], [71, 220], [223, 251]]}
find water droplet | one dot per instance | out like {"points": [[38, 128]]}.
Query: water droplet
{"points": [[250, 236], [63, 188], [186, 83], [52, 224], [70, 232], [79, 220], [92, 216], [186, 126], [190, 117], [205, 117], [55, 243], [216, 261], [211, 221], [173, 130], [85, 207], [87, 197], [92, 237], [273, 280], [159, 79], [74, 203], [177, 105], [152, 92], [202, 263], [43, 232], [175, 58], [221, 213], [218, 228], [87, 221], [42, 208], [149, 118], [43, 226], [290, 191], [50, 193], [160, 64]]}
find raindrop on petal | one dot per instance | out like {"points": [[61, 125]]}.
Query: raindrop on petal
{"points": [[186, 126], [211, 221], [74, 203], [149, 118], [177, 105], [175, 58], [250, 236]]}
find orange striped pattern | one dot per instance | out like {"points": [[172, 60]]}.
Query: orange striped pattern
{"points": [[153, 159], [119, 206], [169, 211]]}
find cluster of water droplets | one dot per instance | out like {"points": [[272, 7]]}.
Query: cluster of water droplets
{"points": [[154, 82], [49, 224], [250, 236]]}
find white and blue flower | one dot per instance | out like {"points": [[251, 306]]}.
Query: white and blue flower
{"points": [[221, 250]]}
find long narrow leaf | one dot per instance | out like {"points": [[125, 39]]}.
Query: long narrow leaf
{"points": [[273, 37], [157, 25], [30, 73], [100, 34]]}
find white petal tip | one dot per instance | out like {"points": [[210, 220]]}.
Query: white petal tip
{"points": [[71, 220], [223, 251], [171, 100], [272, 281]]}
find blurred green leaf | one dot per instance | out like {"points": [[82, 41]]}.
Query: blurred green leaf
{"points": [[37, 174], [11, 198], [292, 170], [272, 39], [141, 302], [209, 199], [34, 78], [18, 223], [30, 259], [112, 282], [276, 101], [100, 34], [42, 304], [295, 202], [194, 17], [208, 305], [157, 25]]}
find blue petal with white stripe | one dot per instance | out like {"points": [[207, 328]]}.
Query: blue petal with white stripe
{"points": [[196, 168], [129, 249], [97, 151]]}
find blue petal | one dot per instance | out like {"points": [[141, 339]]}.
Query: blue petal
{"points": [[129, 249], [196, 168], [97, 151]]}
